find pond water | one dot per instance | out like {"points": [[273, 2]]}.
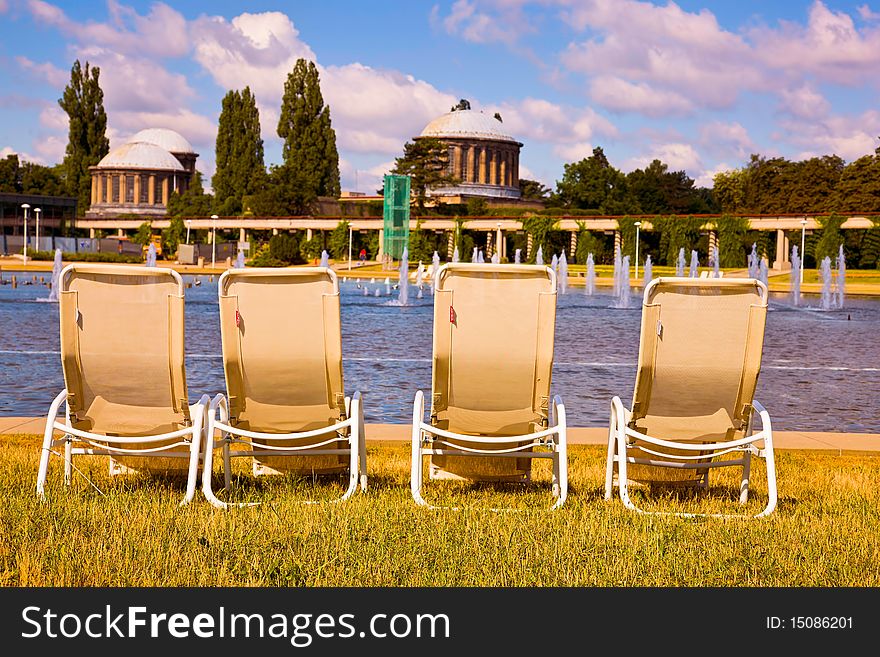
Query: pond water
{"points": [[820, 369]]}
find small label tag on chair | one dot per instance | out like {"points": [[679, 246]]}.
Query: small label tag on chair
{"points": [[237, 318], [452, 316]]}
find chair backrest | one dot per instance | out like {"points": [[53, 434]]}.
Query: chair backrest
{"points": [[282, 348], [699, 357], [122, 348], [493, 348]]}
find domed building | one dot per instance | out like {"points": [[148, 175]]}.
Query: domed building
{"points": [[139, 176], [482, 154]]}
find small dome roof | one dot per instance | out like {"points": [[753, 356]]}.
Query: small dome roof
{"points": [[171, 141], [467, 124], [140, 155]]}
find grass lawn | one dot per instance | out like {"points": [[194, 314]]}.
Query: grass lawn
{"points": [[133, 533]]}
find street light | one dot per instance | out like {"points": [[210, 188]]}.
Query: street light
{"points": [[37, 212], [25, 206], [637, 224], [188, 222], [803, 239], [214, 218], [350, 239]]}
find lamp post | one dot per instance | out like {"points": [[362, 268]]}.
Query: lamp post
{"points": [[637, 224], [803, 239], [188, 222], [37, 212], [350, 239], [213, 240], [25, 206]]}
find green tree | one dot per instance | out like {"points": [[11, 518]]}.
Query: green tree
{"points": [[731, 233], [419, 248], [477, 207], [87, 143], [144, 234], [173, 236], [729, 190], [830, 238], [588, 243], [676, 233], [338, 241], [426, 162], [533, 190], [858, 189], [870, 252], [541, 230], [191, 203], [239, 151], [10, 180], [593, 184], [287, 192], [43, 180], [813, 183], [656, 190], [309, 138], [285, 248]]}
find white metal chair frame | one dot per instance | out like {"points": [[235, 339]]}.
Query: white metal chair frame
{"points": [[551, 440], [229, 435], [620, 439], [101, 445]]}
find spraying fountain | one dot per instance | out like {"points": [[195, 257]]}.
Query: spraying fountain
{"points": [[325, 259], [480, 257], [539, 257], [562, 281], [648, 273], [841, 276], [403, 279], [420, 274], [763, 272], [554, 264], [387, 286], [795, 276], [590, 288], [826, 298], [56, 276], [516, 256], [475, 257], [621, 281], [716, 263], [754, 265], [455, 255], [239, 260], [496, 258], [693, 270], [151, 255], [679, 265]]}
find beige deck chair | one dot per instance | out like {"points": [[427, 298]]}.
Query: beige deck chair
{"points": [[699, 359], [282, 353], [493, 355], [122, 352]]}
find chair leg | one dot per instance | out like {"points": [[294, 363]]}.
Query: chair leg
{"points": [[612, 444], [68, 462], [744, 482], [48, 434], [416, 475]]}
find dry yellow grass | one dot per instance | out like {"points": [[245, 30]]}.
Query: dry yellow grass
{"points": [[133, 533]]}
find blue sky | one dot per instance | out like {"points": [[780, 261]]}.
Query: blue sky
{"points": [[699, 85]]}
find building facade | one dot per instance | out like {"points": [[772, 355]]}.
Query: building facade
{"points": [[482, 155], [138, 177]]}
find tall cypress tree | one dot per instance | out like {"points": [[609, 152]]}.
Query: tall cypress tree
{"points": [[309, 138], [87, 142], [239, 151]]}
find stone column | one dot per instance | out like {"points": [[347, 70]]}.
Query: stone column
{"points": [[499, 242], [489, 245], [572, 250], [91, 233], [137, 189], [778, 264], [165, 191], [456, 161], [502, 168], [242, 235], [491, 177], [471, 165], [94, 189], [484, 164], [309, 235], [151, 189], [119, 232], [381, 254], [528, 245], [514, 181], [618, 241], [450, 245]]}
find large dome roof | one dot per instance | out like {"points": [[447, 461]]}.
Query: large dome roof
{"points": [[171, 141], [140, 155], [468, 124]]}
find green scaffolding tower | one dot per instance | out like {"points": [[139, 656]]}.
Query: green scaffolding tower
{"points": [[396, 213]]}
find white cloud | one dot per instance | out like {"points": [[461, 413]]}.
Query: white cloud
{"points": [[46, 71], [505, 22], [706, 178], [54, 118], [804, 102], [574, 152], [50, 149], [678, 156], [867, 13], [727, 139], [161, 33], [540, 120], [619, 95], [849, 137]]}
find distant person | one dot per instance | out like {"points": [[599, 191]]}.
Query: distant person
{"points": [[363, 255]]}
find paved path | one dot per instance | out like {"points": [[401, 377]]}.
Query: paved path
{"points": [[839, 442]]}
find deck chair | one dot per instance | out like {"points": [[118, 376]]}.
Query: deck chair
{"points": [[122, 353], [693, 405], [490, 410], [282, 353]]}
